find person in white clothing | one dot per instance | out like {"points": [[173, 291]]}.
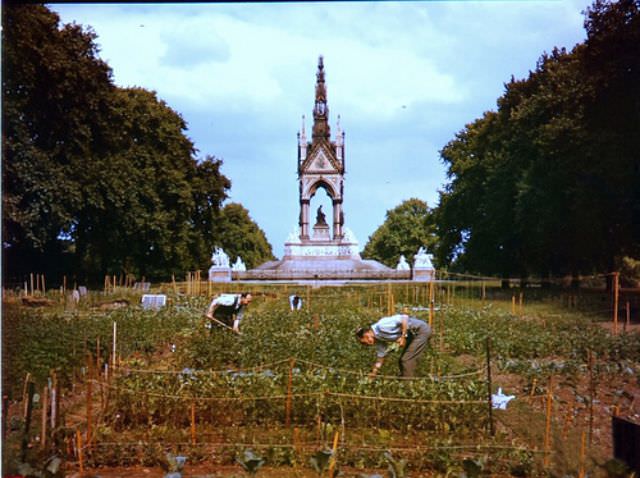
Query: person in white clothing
{"points": [[228, 309]]}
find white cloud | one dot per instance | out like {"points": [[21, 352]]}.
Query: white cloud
{"points": [[405, 76]]}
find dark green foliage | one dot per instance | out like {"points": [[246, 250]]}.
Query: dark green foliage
{"points": [[406, 228], [397, 467], [250, 462], [240, 236], [96, 179], [547, 184], [320, 461]]}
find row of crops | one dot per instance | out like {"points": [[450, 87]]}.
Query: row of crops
{"points": [[293, 380]]}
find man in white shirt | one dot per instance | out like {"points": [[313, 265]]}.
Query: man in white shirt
{"points": [[229, 308], [408, 332]]}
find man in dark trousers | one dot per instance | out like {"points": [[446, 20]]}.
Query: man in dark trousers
{"points": [[228, 309], [408, 332]]}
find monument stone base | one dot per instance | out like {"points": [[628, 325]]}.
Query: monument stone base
{"points": [[423, 275], [219, 274]]}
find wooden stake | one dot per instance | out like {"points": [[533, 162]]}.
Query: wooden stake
{"points": [[43, 423], [25, 387], [431, 314], [54, 400], [289, 400], [193, 423], [484, 294], [616, 293], [31, 277], [582, 455], [513, 305], [113, 348], [521, 302], [492, 430], [27, 422], [98, 353], [332, 462], [79, 448], [547, 430], [44, 287], [89, 417], [592, 393], [628, 321]]}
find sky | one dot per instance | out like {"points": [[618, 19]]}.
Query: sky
{"points": [[404, 77]]}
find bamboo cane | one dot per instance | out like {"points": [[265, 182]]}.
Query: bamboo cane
{"points": [[334, 452], [113, 348], [79, 448], [547, 430], [289, 400], [492, 430], [43, 426], [581, 472], [616, 293], [193, 423], [27, 379], [628, 321]]}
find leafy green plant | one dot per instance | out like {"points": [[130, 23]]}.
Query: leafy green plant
{"points": [[250, 462], [397, 467], [320, 460], [173, 465]]}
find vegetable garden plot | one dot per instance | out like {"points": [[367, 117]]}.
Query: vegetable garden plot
{"points": [[293, 380]]}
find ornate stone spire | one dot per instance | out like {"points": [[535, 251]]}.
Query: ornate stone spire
{"points": [[302, 142], [320, 110]]}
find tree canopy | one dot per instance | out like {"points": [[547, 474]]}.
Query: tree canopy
{"points": [[548, 183], [97, 179], [406, 228], [240, 236]]}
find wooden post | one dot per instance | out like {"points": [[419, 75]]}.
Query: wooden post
{"points": [[54, 400], [89, 396], [592, 393], [43, 423], [27, 422], [492, 430], [513, 305], [113, 348], [98, 354], [521, 302], [25, 388], [547, 430], [627, 323], [334, 453], [431, 314], [582, 455], [5, 412], [616, 293], [79, 448], [31, 277], [64, 284], [193, 423], [484, 292], [289, 400]]}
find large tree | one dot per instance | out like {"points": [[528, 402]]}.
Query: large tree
{"points": [[406, 228], [56, 96], [96, 179], [547, 184]]}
